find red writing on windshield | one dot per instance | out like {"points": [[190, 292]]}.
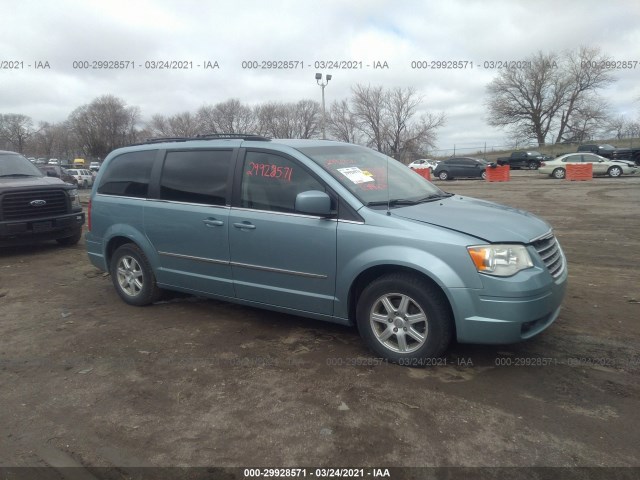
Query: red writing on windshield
{"points": [[269, 171]]}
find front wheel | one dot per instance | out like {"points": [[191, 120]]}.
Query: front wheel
{"points": [[484, 174], [404, 319], [133, 276], [614, 171], [443, 175], [558, 173]]}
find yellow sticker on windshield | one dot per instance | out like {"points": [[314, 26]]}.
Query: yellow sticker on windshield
{"points": [[356, 175]]}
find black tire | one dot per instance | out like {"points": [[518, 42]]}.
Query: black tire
{"points": [[384, 331], [614, 171], [534, 165], [70, 241], [558, 173], [484, 174], [443, 175], [133, 277]]}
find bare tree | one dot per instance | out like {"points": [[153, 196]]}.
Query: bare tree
{"points": [[288, 120], [182, 124], [341, 122], [404, 137], [227, 117], [533, 102], [16, 129], [588, 118], [387, 120], [586, 72], [306, 119], [526, 100], [632, 129], [103, 125], [367, 105], [617, 126], [158, 126], [52, 140]]}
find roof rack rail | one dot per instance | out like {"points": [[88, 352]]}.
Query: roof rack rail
{"points": [[207, 136], [164, 139], [243, 136]]}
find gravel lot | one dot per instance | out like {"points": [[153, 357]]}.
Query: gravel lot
{"points": [[87, 380]]}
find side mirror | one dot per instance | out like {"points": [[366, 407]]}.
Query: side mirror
{"points": [[313, 202]]}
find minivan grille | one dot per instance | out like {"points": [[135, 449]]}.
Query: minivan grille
{"points": [[18, 205], [549, 251]]}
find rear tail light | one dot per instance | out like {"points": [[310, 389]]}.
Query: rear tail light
{"points": [[542, 164]]}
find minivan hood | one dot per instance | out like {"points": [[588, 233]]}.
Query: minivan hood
{"points": [[487, 221]]}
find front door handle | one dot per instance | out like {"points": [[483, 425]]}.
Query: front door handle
{"points": [[212, 222], [245, 226]]}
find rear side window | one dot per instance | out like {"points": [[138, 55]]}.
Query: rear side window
{"points": [[128, 174], [196, 176]]}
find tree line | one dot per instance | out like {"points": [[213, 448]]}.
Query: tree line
{"points": [[388, 120]]}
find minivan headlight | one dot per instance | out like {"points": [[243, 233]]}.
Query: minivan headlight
{"points": [[500, 260]]}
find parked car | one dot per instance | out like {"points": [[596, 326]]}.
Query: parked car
{"points": [[601, 166], [325, 230], [424, 163], [94, 166], [59, 172], [516, 160], [611, 152], [53, 161], [36, 207], [461, 167], [84, 177]]}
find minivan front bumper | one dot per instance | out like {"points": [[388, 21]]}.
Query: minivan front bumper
{"points": [[486, 316]]}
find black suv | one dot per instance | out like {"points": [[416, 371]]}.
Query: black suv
{"points": [[35, 207]]}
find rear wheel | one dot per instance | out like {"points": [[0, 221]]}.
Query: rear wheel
{"points": [[534, 165], [133, 276], [404, 319], [558, 173]]}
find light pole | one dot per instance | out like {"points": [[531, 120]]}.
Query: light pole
{"points": [[324, 112]]}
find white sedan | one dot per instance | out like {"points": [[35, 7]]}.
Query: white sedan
{"points": [[556, 168], [423, 163]]}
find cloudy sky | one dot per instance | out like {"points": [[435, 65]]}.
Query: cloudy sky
{"points": [[232, 32]]}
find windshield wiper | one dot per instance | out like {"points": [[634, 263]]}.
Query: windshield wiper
{"points": [[434, 196], [18, 175], [392, 202]]}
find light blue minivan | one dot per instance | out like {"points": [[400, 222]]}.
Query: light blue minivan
{"points": [[326, 230]]}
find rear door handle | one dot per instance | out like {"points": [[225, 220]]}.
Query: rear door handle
{"points": [[245, 226], [212, 222]]}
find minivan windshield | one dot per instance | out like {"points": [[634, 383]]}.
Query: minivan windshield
{"points": [[374, 178], [15, 165]]}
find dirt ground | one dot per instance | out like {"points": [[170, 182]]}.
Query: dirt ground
{"points": [[86, 380]]}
